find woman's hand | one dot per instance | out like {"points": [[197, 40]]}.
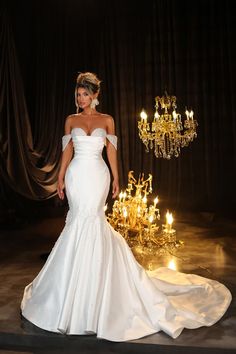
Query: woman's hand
{"points": [[60, 187], [115, 189]]}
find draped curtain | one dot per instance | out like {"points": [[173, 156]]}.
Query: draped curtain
{"points": [[138, 51]]}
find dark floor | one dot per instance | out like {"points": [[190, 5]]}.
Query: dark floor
{"points": [[209, 250]]}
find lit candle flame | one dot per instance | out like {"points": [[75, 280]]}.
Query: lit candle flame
{"points": [[174, 115], [172, 265], [143, 115], [191, 114], [169, 218], [187, 113], [155, 201], [125, 212], [145, 199]]}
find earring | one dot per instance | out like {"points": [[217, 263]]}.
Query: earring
{"points": [[94, 103]]}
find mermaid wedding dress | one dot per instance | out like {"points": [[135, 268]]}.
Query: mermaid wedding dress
{"points": [[91, 282]]}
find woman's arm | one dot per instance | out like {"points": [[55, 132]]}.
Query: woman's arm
{"points": [[112, 158], [65, 160]]}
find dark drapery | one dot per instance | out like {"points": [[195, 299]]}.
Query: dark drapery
{"points": [[138, 50], [29, 171]]}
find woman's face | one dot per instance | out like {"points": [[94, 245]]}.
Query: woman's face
{"points": [[83, 98]]}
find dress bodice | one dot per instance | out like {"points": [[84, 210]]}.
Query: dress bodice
{"points": [[88, 145]]}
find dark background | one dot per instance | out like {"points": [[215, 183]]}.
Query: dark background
{"points": [[137, 49]]}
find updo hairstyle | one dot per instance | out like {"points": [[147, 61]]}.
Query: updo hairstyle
{"points": [[89, 82]]}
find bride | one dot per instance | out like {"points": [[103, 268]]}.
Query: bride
{"points": [[91, 282]]}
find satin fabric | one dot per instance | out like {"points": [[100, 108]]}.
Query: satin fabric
{"points": [[92, 284]]}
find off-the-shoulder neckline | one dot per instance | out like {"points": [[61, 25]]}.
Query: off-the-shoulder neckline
{"points": [[87, 134]]}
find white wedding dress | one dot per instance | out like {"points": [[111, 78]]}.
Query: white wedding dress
{"points": [[91, 282]]}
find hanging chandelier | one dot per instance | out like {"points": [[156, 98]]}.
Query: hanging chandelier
{"points": [[167, 134]]}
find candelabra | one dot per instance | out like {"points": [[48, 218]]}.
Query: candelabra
{"points": [[167, 134], [138, 222]]}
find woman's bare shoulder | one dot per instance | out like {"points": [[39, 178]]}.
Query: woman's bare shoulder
{"points": [[72, 117], [70, 122], [110, 124], [107, 117]]}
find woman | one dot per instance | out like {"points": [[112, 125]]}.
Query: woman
{"points": [[91, 282]]}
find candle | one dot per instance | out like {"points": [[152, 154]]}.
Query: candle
{"points": [[191, 114], [174, 115], [143, 116], [145, 199], [121, 195], [169, 221], [155, 201], [187, 114], [156, 115], [172, 264]]}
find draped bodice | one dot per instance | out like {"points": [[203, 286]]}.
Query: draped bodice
{"points": [[88, 146]]}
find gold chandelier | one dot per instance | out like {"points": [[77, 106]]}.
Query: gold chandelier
{"points": [[139, 221], [167, 134]]}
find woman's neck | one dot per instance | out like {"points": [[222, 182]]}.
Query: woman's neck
{"points": [[89, 111]]}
